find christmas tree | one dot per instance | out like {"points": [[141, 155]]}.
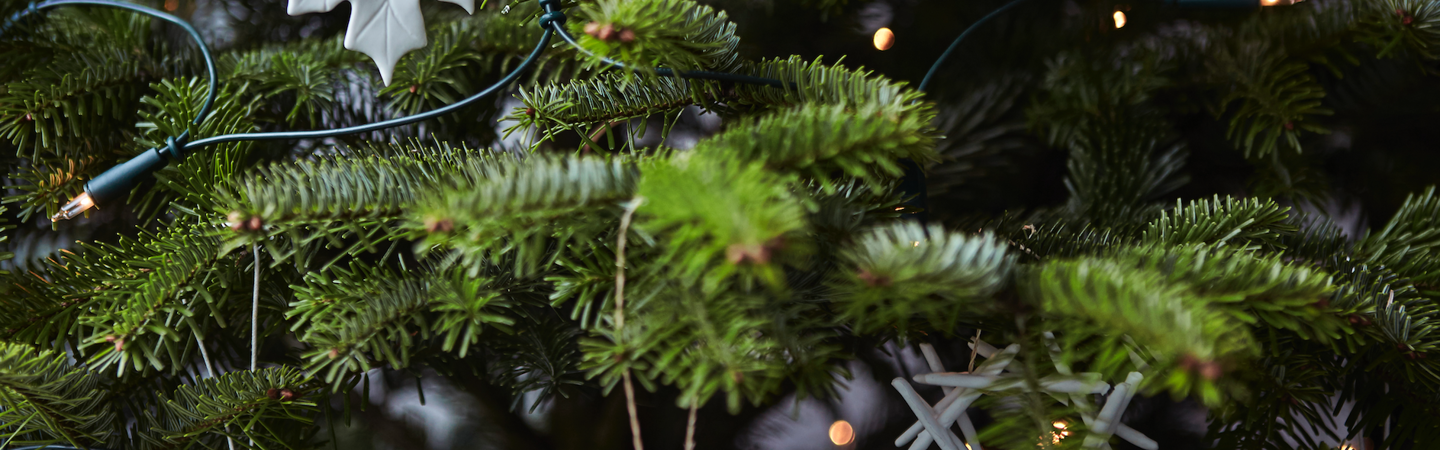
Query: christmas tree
{"points": [[1087, 206]]}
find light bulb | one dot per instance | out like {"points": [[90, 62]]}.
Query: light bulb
{"points": [[841, 433], [884, 39], [1120, 19], [74, 208]]}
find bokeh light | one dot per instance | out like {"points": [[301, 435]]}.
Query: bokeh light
{"points": [[841, 433], [884, 38]]}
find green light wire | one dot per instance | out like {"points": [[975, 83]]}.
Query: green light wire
{"points": [[204, 49], [935, 68], [313, 134]]}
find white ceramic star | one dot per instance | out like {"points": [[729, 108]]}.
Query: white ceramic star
{"points": [[962, 389], [383, 29]]}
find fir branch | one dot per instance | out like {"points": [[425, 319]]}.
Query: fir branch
{"points": [[46, 303], [903, 272], [1289, 399], [584, 276], [542, 358], [1083, 95], [434, 77], [1244, 224], [718, 351], [1410, 242], [348, 201], [676, 34], [605, 98], [387, 328], [723, 217], [1276, 98], [1115, 169], [392, 317], [174, 105], [52, 182], [1058, 239], [815, 82], [520, 205], [72, 114], [46, 400], [466, 306], [846, 210], [170, 280], [1174, 324], [866, 141], [263, 406], [1413, 25], [1252, 288]]}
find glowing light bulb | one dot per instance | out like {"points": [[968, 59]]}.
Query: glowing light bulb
{"points": [[74, 208], [914, 243], [171, 5], [841, 433], [1120, 18], [884, 39], [1059, 424]]}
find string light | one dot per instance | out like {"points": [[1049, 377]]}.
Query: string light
{"points": [[841, 433], [1119, 19], [884, 38], [75, 207]]}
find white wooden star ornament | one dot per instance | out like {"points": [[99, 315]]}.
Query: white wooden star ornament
{"points": [[384, 30], [961, 389]]}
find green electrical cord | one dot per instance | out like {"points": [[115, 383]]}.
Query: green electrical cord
{"points": [[313, 134], [935, 68]]}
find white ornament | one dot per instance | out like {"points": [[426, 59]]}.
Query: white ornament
{"points": [[383, 29], [962, 389]]}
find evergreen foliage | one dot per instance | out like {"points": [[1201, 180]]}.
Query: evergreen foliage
{"points": [[764, 262]]}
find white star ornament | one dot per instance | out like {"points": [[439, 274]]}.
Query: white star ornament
{"points": [[384, 30]]}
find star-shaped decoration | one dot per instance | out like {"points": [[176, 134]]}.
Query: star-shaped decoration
{"points": [[383, 29], [963, 388]]}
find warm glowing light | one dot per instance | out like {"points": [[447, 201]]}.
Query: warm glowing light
{"points": [[1062, 433], [74, 208], [914, 243], [841, 433], [884, 39], [171, 5], [1120, 18]]}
